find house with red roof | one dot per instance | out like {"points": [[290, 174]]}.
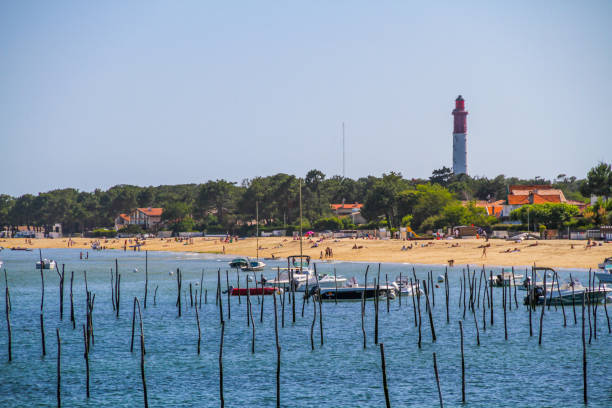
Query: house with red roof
{"points": [[519, 195], [352, 210], [147, 218]]}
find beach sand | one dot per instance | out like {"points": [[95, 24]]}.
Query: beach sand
{"points": [[553, 253]]}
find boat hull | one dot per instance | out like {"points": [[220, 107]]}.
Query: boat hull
{"points": [[604, 277], [358, 293], [255, 291]]}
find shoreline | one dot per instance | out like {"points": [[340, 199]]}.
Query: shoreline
{"points": [[500, 253]]}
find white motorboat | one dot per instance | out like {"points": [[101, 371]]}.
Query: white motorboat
{"points": [[245, 264], [324, 281], [506, 279], [46, 264], [572, 292], [407, 289], [353, 291], [606, 275]]}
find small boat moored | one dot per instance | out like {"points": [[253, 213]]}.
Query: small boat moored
{"points": [[606, 275], [246, 264], [46, 264]]}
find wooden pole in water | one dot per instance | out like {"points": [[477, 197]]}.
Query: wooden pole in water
{"points": [[319, 301], [464, 290], [253, 326], [484, 308], [8, 322], [229, 300], [314, 320], [256, 286], [419, 309], [400, 291], [504, 297], [59, 367], [479, 287], [584, 359], [248, 304], [460, 290], [9, 293], [61, 292], [86, 357], [275, 319], [263, 296], [238, 285], [205, 296], [199, 330], [112, 289], [190, 295], [146, 278], [72, 319], [278, 365], [588, 300], [595, 311], [363, 318], [476, 325], [562, 307], [446, 294], [431, 323], [377, 287], [491, 295], [283, 307], [435, 364], [542, 313], [387, 287], [42, 332], [413, 303], [573, 299], [384, 375], [118, 294], [462, 365], [607, 318], [514, 284], [133, 324], [219, 295], [201, 289], [155, 295], [221, 366]]}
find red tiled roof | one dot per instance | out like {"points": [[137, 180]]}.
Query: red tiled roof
{"points": [[540, 199], [151, 212], [518, 199], [345, 206], [125, 217]]}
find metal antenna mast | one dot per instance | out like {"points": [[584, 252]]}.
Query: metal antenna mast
{"points": [[343, 153]]}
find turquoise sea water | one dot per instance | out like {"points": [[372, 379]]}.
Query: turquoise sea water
{"points": [[513, 373]]}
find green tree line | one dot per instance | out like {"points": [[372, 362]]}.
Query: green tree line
{"points": [[221, 205]]}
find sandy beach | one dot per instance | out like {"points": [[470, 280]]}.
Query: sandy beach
{"points": [[553, 253]]}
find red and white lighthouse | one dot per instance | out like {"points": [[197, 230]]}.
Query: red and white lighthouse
{"points": [[460, 137]]}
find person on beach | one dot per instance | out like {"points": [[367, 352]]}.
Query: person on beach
{"points": [[484, 252]]}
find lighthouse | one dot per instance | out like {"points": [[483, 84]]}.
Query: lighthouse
{"points": [[460, 137]]}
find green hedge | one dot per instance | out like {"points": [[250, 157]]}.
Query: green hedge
{"points": [[103, 232]]}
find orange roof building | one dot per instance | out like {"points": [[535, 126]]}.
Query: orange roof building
{"points": [[535, 194]]}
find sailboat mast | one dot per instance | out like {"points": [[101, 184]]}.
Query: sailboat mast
{"points": [[301, 257], [257, 227]]}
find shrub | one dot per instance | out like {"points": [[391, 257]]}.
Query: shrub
{"points": [[103, 232], [328, 223]]}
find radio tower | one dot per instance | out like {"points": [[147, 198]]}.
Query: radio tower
{"points": [[460, 137]]}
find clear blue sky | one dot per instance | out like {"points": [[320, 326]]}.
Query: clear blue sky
{"points": [[94, 94]]}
